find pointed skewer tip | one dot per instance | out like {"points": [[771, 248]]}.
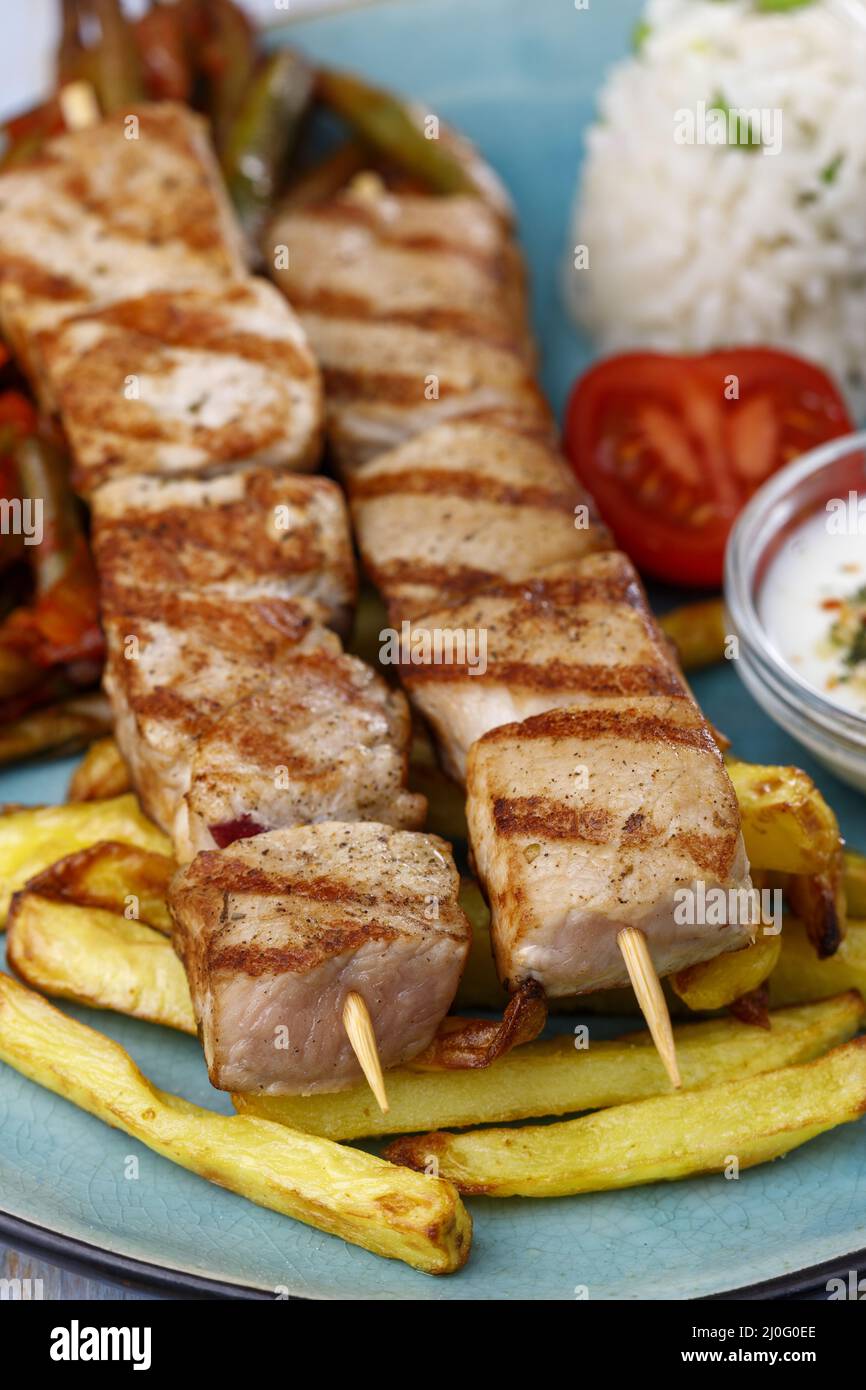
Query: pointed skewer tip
{"points": [[645, 982], [359, 1028]]}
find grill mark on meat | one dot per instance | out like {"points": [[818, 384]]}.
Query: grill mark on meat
{"points": [[458, 580], [337, 939], [714, 854], [589, 724], [232, 877], [380, 388], [286, 618], [159, 316], [193, 215], [356, 213], [36, 282], [395, 388], [342, 304], [556, 675], [209, 531], [229, 441], [552, 820], [236, 877], [529, 597], [165, 705], [446, 482]]}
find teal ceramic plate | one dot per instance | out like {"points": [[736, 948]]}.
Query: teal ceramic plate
{"points": [[521, 80]]}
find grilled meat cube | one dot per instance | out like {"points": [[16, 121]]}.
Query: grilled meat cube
{"points": [[99, 217], [323, 738], [185, 383], [579, 633], [275, 931], [177, 659], [589, 819], [253, 532], [463, 506]]}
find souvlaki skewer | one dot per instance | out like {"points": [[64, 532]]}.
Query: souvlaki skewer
{"points": [[237, 710], [595, 788]]}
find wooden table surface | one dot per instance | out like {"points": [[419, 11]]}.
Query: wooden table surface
{"points": [[57, 1284]]}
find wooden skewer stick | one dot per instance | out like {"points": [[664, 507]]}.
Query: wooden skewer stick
{"points": [[645, 982], [359, 1026], [78, 105]]}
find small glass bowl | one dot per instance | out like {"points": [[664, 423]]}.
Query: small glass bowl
{"points": [[836, 737]]}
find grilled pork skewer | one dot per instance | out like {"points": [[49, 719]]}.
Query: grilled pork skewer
{"points": [[371, 254], [190, 379], [440, 537], [277, 931], [581, 636]]}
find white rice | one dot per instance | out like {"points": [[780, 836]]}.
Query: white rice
{"points": [[692, 246]]}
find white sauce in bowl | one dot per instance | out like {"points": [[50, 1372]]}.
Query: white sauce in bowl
{"points": [[812, 605]]}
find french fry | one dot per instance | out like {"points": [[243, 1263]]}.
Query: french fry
{"points": [[162, 41], [818, 900], [800, 977], [713, 984], [854, 870], [115, 63], [99, 959], [698, 631], [225, 46], [553, 1078], [340, 1190], [31, 840], [787, 825], [63, 727], [100, 774], [751, 1119], [119, 878]]}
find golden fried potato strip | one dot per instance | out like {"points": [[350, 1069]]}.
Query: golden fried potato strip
{"points": [[337, 1189], [749, 1119], [553, 1077], [33, 839]]}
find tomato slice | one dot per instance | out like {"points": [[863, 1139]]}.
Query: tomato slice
{"points": [[673, 447]]}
